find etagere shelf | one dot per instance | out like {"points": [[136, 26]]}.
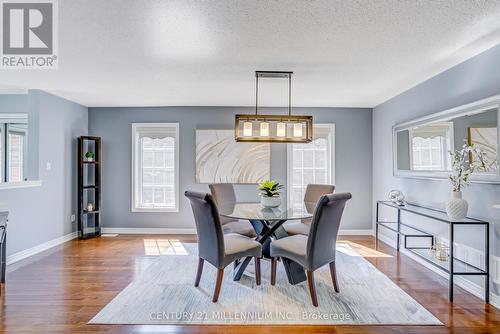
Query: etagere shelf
{"points": [[453, 266], [89, 187]]}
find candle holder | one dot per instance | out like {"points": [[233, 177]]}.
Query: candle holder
{"points": [[442, 251]]}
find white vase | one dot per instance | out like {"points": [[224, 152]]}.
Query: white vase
{"points": [[456, 207], [270, 202]]}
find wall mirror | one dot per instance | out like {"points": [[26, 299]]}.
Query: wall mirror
{"points": [[421, 147], [13, 147]]}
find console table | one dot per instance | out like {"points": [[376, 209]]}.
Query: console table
{"points": [[452, 266], [3, 244]]}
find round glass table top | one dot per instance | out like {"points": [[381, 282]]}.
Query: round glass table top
{"points": [[255, 211]]}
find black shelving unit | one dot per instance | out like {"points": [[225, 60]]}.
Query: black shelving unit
{"points": [[89, 187], [453, 266]]}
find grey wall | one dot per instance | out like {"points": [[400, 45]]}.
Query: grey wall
{"points": [[25, 104], [40, 214], [353, 159], [472, 80]]}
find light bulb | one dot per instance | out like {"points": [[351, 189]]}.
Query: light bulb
{"points": [[264, 129], [281, 129], [247, 129], [297, 130]]}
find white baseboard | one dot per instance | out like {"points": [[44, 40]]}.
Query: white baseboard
{"points": [[355, 232], [465, 284], [166, 230], [40, 248], [146, 230]]}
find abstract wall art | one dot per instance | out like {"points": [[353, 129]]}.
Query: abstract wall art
{"points": [[220, 159], [485, 138]]}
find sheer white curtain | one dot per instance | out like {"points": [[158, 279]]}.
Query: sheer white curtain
{"points": [[310, 163], [156, 167]]}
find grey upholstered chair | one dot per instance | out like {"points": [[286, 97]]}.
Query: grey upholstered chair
{"points": [[317, 249], [215, 247], [312, 196], [224, 193]]}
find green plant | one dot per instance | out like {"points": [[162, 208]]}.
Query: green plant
{"points": [[270, 188], [89, 155]]}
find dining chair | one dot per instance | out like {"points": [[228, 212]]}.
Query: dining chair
{"points": [[311, 197], [318, 248], [224, 193], [214, 246]]}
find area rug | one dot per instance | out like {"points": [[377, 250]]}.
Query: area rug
{"points": [[164, 294]]}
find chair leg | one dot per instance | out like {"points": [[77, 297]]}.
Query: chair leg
{"points": [[312, 288], [218, 284], [333, 272], [274, 264], [257, 270], [200, 270]]}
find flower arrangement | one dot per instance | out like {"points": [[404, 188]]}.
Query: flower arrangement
{"points": [[270, 188], [463, 163]]}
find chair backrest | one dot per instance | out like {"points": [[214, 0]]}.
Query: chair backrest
{"points": [[208, 227], [223, 193], [315, 191], [325, 225]]}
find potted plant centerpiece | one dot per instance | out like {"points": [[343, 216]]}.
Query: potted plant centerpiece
{"points": [[270, 193], [463, 162], [89, 156]]}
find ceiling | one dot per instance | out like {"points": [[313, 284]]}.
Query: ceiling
{"points": [[343, 53]]}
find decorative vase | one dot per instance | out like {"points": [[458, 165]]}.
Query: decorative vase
{"points": [[270, 202], [90, 159], [456, 207]]}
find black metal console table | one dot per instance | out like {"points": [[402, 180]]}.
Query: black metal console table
{"points": [[3, 245], [453, 266]]}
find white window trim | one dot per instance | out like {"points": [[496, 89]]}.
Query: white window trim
{"points": [[289, 165], [5, 119], [18, 185], [136, 169]]}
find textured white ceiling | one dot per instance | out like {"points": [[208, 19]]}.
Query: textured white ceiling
{"points": [[343, 53]]}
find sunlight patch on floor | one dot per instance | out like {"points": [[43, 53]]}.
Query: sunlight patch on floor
{"points": [[156, 247], [359, 250]]}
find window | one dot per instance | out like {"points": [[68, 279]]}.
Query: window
{"points": [[310, 163], [155, 167], [13, 151], [15, 156], [430, 145]]}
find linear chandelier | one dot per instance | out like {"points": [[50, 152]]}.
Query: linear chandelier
{"points": [[273, 128]]}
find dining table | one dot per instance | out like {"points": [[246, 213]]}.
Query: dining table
{"points": [[268, 226]]}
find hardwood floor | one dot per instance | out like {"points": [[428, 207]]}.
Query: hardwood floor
{"points": [[60, 290]]}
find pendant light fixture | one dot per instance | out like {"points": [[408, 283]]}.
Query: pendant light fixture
{"points": [[273, 128]]}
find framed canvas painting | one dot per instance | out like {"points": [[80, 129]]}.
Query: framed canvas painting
{"points": [[220, 159]]}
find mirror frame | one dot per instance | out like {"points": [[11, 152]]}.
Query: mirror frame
{"points": [[473, 108]]}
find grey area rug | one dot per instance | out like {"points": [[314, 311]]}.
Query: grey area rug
{"points": [[164, 294]]}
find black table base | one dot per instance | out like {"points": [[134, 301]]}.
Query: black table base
{"points": [[266, 229]]}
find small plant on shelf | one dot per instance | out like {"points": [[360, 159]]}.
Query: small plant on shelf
{"points": [[89, 156], [270, 193]]}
